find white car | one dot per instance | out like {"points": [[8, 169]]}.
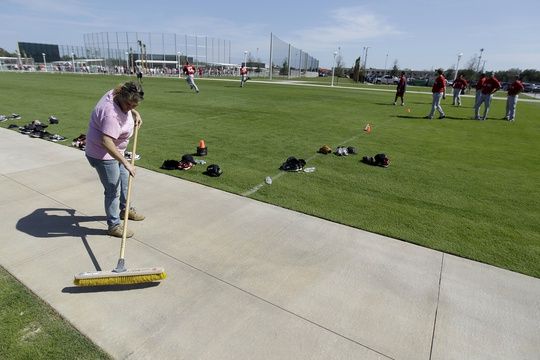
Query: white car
{"points": [[387, 79]]}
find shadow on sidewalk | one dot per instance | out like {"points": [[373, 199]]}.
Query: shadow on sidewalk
{"points": [[56, 222], [60, 222], [107, 288]]}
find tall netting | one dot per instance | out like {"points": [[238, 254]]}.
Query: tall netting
{"points": [[287, 60], [154, 52]]}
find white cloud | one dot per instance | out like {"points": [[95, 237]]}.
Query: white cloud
{"points": [[345, 26], [53, 7]]}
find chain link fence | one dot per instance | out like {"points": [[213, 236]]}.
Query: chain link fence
{"points": [[289, 61]]}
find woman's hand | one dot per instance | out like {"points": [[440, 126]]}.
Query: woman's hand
{"points": [[136, 117]]}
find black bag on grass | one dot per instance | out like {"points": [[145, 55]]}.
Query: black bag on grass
{"points": [[293, 164], [170, 164], [213, 170]]}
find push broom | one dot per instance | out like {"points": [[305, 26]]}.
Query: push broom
{"points": [[120, 275]]}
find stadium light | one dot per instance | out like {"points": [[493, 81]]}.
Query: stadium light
{"points": [[457, 65], [333, 67], [44, 61]]}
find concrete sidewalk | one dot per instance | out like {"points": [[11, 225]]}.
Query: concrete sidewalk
{"points": [[246, 280]]}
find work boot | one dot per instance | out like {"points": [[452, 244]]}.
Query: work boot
{"points": [[133, 215], [117, 231]]}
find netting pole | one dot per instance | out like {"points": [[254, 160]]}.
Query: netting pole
{"points": [[270, 62], [289, 63]]}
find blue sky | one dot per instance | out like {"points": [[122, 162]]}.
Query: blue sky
{"points": [[419, 34]]}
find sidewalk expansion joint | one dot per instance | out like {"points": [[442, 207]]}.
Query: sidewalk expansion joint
{"points": [[436, 308], [267, 301]]}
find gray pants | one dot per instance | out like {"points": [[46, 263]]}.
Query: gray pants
{"points": [[486, 100], [457, 97], [243, 80], [436, 104], [191, 82], [511, 103], [477, 97]]}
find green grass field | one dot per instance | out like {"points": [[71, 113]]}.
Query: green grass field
{"points": [[466, 187], [32, 330]]}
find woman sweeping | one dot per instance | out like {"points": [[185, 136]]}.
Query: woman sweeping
{"points": [[110, 128]]}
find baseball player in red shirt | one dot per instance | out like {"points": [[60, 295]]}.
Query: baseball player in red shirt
{"points": [[243, 75], [438, 90], [511, 101], [478, 89], [401, 87], [459, 85], [189, 71], [490, 86]]}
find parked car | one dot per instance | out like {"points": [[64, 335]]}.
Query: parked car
{"points": [[530, 87], [387, 79]]}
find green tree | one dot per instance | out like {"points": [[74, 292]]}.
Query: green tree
{"points": [[449, 73], [6, 53], [284, 68], [395, 69], [531, 75], [357, 71]]}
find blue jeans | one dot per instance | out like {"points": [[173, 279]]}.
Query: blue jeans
{"points": [[114, 177]]}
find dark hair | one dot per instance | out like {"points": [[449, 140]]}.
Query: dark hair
{"points": [[130, 91]]}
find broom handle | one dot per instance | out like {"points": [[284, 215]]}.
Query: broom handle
{"points": [[128, 199]]}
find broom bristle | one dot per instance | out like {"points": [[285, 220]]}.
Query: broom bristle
{"points": [[119, 280]]}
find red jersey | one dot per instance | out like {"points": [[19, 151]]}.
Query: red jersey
{"points": [[460, 84], [480, 84], [189, 70], [243, 70], [515, 88], [402, 84], [439, 85], [491, 85]]}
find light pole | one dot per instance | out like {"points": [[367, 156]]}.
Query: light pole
{"points": [[385, 63], [73, 61], [333, 67], [245, 58], [19, 62], [365, 62], [44, 61], [479, 59], [457, 65], [130, 59], [178, 59]]}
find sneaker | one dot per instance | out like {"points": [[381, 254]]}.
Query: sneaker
{"points": [[133, 215], [394, 103], [117, 231], [442, 116]]}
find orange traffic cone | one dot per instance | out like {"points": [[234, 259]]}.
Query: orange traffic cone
{"points": [[367, 128], [201, 149]]}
